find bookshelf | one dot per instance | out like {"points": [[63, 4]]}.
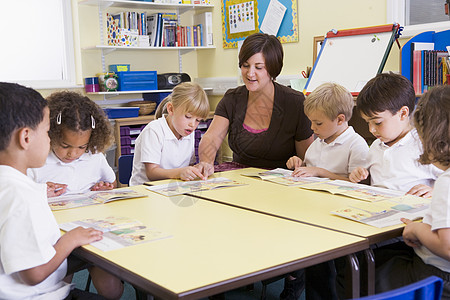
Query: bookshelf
{"points": [[440, 40], [105, 5]]}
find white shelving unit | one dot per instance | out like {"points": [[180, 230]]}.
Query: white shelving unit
{"points": [[106, 49]]}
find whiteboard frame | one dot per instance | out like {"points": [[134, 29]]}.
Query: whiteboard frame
{"points": [[352, 57]]}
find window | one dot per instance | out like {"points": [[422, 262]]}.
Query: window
{"points": [[37, 48], [418, 15]]}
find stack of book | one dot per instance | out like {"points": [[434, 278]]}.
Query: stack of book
{"points": [[164, 31], [430, 67]]}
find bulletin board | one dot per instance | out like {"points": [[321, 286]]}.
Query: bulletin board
{"points": [[352, 57], [241, 18]]}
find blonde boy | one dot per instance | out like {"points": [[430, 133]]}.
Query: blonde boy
{"points": [[338, 149]]}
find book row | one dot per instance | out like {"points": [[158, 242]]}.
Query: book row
{"points": [[158, 30], [430, 67]]}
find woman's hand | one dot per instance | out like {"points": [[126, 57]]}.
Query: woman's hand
{"points": [[55, 189], [294, 162], [190, 173], [205, 169], [102, 186]]}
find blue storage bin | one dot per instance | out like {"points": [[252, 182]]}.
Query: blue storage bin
{"points": [[121, 112], [137, 80]]}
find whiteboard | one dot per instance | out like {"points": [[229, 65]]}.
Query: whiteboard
{"points": [[350, 60]]}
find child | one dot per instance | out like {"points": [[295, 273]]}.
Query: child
{"points": [[386, 103], [165, 147], [33, 252], [334, 154], [430, 239], [79, 133], [338, 149]]}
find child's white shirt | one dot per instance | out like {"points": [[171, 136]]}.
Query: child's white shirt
{"points": [[28, 233], [438, 216], [397, 167], [157, 144], [348, 151], [79, 175]]}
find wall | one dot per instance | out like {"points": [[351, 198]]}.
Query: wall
{"points": [[315, 18]]}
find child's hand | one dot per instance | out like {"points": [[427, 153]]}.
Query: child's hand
{"points": [[82, 236], [358, 174], [306, 172], [421, 190], [409, 236], [102, 186], [205, 169], [190, 173], [294, 162], [55, 189]]}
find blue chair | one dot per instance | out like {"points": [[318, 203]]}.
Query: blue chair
{"points": [[427, 289], [125, 165]]}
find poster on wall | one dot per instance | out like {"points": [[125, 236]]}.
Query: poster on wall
{"points": [[241, 18]]}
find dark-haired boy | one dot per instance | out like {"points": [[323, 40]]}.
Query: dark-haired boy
{"points": [[386, 103], [32, 251]]}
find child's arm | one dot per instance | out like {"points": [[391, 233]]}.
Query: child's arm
{"points": [[421, 190], [64, 246], [318, 172], [437, 241], [358, 174], [103, 186], [294, 162], [155, 172], [55, 189]]}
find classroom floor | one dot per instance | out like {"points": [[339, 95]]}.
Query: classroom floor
{"points": [[273, 290]]}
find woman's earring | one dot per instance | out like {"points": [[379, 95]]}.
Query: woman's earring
{"points": [[58, 118], [92, 122]]}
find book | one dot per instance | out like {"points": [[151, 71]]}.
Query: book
{"points": [[284, 177], [387, 212], [91, 198], [355, 190], [182, 187], [205, 19], [118, 232], [152, 27]]}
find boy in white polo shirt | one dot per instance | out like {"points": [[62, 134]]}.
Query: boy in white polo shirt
{"points": [[338, 149], [386, 103], [33, 253]]}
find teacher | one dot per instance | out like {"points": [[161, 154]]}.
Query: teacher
{"points": [[264, 120]]}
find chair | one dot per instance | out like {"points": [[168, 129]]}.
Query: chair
{"points": [[125, 165], [427, 289]]}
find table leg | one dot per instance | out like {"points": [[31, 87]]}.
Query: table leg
{"points": [[370, 276], [352, 277]]}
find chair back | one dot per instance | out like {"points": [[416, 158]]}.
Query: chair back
{"points": [[429, 288], [125, 165]]}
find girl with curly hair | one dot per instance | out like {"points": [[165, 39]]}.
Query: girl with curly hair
{"points": [[79, 134]]}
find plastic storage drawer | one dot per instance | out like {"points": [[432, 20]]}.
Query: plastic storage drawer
{"points": [[137, 80]]}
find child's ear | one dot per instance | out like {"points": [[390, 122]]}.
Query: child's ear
{"points": [[341, 119], [404, 112], [169, 108], [24, 137]]}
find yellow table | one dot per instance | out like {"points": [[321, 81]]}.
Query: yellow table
{"points": [[290, 202], [293, 203], [214, 247]]}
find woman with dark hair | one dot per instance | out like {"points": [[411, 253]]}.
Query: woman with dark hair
{"points": [[264, 121]]}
